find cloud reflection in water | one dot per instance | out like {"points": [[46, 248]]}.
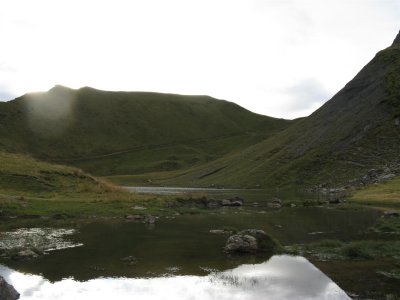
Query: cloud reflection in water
{"points": [[281, 277]]}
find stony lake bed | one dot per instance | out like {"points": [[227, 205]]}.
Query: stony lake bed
{"points": [[329, 251]]}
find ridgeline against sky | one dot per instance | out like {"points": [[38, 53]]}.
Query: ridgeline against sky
{"points": [[204, 141], [277, 58]]}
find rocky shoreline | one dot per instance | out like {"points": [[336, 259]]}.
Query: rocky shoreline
{"points": [[372, 176]]}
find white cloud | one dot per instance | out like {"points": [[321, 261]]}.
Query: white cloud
{"points": [[240, 50]]}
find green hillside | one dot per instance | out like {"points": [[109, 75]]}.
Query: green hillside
{"points": [[170, 139], [22, 175], [29, 187], [128, 132], [378, 194], [356, 131]]}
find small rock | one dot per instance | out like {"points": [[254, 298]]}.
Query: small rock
{"points": [[334, 200], [150, 219], [129, 260], [235, 201], [25, 254], [137, 207], [275, 203], [136, 218], [276, 200], [391, 213], [98, 269], [7, 291], [213, 204], [353, 295], [316, 232], [386, 177], [219, 231], [226, 202]]}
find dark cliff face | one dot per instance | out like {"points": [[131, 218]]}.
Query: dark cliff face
{"points": [[355, 131]]}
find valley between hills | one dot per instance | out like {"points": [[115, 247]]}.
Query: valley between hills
{"points": [[137, 138], [66, 155]]}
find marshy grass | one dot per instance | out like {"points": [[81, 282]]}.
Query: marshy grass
{"points": [[357, 250]]}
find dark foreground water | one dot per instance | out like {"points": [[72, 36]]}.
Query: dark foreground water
{"points": [[178, 257]]}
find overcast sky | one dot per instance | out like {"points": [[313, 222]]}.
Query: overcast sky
{"points": [[274, 57]]}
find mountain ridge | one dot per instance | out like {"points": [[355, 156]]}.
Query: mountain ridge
{"points": [[200, 141], [354, 132], [78, 126]]}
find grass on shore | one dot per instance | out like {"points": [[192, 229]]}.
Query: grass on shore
{"points": [[387, 193], [32, 187], [356, 250]]}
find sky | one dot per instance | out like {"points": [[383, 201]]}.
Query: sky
{"points": [[282, 58]]}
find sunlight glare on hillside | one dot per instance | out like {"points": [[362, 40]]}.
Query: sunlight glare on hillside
{"points": [[50, 114]]}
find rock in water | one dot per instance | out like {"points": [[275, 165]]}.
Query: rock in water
{"points": [[25, 254], [150, 219], [391, 213], [250, 241], [241, 243], [7, 291], [226, 202], [235, 201], [275, 203]]}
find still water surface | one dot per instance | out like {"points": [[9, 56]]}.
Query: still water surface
{"points": [[178, 257], [281, 277]]}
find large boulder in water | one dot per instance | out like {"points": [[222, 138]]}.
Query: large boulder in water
{"points": [[7, 291], [251, 241], [241, 243]]}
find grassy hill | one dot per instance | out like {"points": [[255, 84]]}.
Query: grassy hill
{"points": [[30, 188], [200, 141], [356, 131], [24, 175], [383, 193], [128, 132]]}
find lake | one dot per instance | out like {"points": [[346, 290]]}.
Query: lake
{"points": [[178, 257]]}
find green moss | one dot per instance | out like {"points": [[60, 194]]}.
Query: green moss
{"points": [[357, 250], [387, 225], [327, 244]]}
